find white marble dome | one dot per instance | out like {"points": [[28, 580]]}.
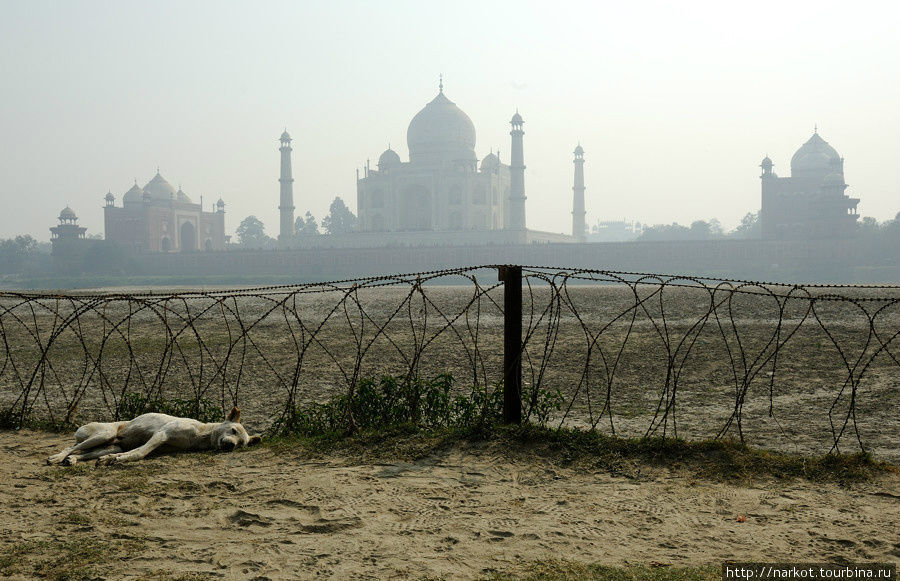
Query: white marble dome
{"points": [[388, 159], [441, 128], [814, 156]]}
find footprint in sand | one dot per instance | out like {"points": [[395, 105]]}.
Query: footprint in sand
{"points": [[246, 519], [327, 526]]}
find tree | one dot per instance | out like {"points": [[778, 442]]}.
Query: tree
{"points": [[15, 253], [673, 231], [868, 226], [340, 220], [252, 233], [749, 226], [306, 225], [700, 230]]}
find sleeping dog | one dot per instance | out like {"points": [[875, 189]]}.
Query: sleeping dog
{"points": [[116, 442]]}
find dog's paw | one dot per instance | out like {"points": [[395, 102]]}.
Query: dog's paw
{"points": [[70, 461], [55, 459], [108, 460]]}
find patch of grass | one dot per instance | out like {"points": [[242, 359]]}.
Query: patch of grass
{"points": [[391, 402], [76, 518], [10, 420], [713, 459], [58, 559], [134, 404], [558, 570], [581, 449]]}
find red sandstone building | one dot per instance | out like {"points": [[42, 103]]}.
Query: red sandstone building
{"points": [[157, 218]]}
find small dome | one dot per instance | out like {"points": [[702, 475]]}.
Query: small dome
{"points": [[159, 188], [182, 197], [67, 214], [109, 197], [578, 150], [516, 119], [133, 195], [220, 203], [766, 162], [490, 161], [814, 156], [388, 159], [285, 136]]}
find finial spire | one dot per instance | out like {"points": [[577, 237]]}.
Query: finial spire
{"points": [[441, 83], [816, 128]]}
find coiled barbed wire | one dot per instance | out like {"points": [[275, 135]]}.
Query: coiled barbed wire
{"points": [[637, 354]]}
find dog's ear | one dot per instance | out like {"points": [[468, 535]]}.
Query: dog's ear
{"points": [[234, 415], [254, 440]]}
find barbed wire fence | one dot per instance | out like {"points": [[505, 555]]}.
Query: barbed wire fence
{"points": [[794, 367]]}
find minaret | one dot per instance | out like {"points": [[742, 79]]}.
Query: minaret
{"points": [[517, 176], [578, 197], [286, 232]]}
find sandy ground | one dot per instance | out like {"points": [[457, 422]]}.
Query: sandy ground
{"points": [[268, 513]]}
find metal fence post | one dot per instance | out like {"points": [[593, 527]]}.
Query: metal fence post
{"points": [[511, 276]]}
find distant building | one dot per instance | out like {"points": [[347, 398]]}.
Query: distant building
{"points": [[157, 218], [811, 203], [67, 229], [578, 225], [442, 196], [441, 187], [286, 206], [615, 231], [68, 243]]}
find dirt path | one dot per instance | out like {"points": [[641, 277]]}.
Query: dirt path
{"points": [[263, 513]]}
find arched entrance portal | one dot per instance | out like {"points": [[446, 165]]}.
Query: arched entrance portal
{"points": [[415, 209], [165, 245], [188, 237]]}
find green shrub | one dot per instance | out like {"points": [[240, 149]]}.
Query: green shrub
{"points": [[132, 405], [391, 401], [8, 419]]}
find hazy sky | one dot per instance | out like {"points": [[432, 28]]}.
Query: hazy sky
{"points": [[675, 103]]}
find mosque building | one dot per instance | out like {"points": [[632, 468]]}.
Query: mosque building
{"points": [[442, 192], [811, 203], [157, 218], [442, 186]]}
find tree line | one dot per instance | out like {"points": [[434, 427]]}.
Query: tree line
{"points": [[703, 230], [871, 232], [22, 254], [251, 232]]}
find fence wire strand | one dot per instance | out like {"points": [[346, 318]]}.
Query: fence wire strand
{"points": [[808, 367]]}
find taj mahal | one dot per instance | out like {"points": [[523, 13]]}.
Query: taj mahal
{"points": [[444, 195]]}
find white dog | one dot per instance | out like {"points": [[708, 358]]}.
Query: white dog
{"points": [[115, 442]]}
